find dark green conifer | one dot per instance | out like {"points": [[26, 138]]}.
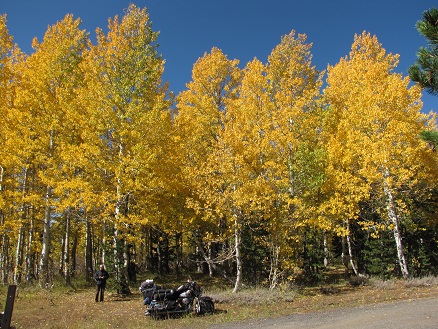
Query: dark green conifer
{"points": [[425, 70]]}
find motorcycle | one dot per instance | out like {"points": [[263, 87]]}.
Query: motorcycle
{"points": [[173, 303]]}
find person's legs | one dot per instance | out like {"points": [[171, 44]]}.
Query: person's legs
{"points": [[97, 293], [102, 290]]}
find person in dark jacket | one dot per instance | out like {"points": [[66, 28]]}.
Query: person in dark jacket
{"points": [[100, 278]]}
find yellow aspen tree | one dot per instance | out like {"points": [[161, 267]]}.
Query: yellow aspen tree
{"points": [[6, 95], [201, 116], [17, 165], [46, 93], [17, 168], [248, 161], [127, 106], [265, 135], [373, 136], [294, 89], [294, 86]]}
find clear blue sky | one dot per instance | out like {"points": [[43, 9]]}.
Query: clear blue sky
{"points": [[242, 29]]}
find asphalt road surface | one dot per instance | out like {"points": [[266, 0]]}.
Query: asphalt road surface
{"points": [[410, 314]]}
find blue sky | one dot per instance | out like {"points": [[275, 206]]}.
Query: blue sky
{"points": [[242, 29]]}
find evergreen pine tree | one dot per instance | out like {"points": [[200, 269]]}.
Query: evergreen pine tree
{"points": [[425, 70], [380, 255]]}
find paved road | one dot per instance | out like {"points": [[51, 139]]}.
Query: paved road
{"points": [[417, 314]]}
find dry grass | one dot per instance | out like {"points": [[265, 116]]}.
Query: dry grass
{"points": [[35, 308]]}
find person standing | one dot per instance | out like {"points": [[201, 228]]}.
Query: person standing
{"points": [[100, 278]]}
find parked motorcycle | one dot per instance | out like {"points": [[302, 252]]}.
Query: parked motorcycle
{"points": [[172, 303]]}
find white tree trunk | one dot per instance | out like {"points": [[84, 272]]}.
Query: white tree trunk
{"points": [[30, 252], [20, 238], [19, 255], [88, 250], [343, 255], [66, 260], [393, 217], [350, 249], [326, 251], [4, 261], [120, 258], [45, 250], [237, 244], [273, 273], [44, 270], [103, 247], [209, 261]]}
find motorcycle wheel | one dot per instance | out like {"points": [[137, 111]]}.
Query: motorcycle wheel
{"points": [[209, 307], [204, 307]]}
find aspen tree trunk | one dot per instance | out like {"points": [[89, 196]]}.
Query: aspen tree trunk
{"points": [[44, 269], [31, 263], [210, 262], [350, 249], [19, 251], [44, 275], [120, 264], [4, 250], [19, 256], [103, 245], [326, 252], [30, 252], [343, 255], [66, 260], [88, 250], [393, 217], [237, 245], [159, 253], [61, 257], [74, 250], [273, 273], [4, 256], [126, 259]]}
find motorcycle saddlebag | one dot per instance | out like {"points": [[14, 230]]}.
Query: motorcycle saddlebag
{"points": [[163, 294]]}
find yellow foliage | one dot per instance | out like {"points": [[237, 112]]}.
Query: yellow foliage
{"points": [[373, 125]]}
